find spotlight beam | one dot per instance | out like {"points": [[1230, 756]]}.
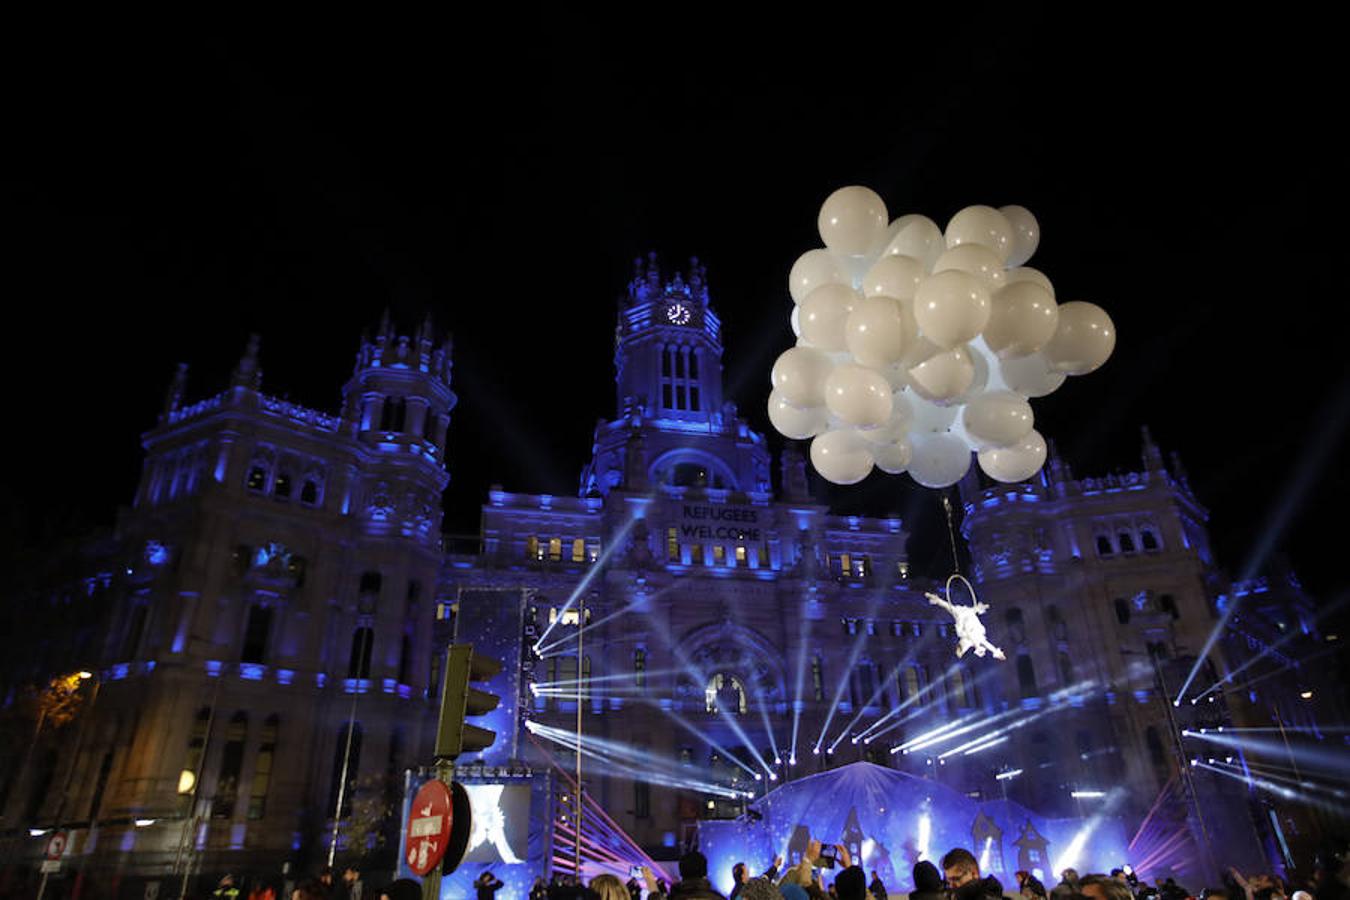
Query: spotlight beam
{"points": [[1311, 756], [1270, 650], [892, 677], [615, 542], [846, 675], [917, 698], [545, 650], [803, 627]]}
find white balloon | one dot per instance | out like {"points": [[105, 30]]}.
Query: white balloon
{"points": [[841, 456], [1083, 339], [795, 320], [1022, 319], [1016, 463], [997, 419], [928, 416], [824, 313], [981, 225], [978, 383], [858, 395], [894, 276], [852, 220], [812, 269], [799, 376], [1026, 234], [794, 422], [893, 458], [1027, 273], [1030, 376], [952, 307], [939, 459], [944, 376], [894, 428], [995, 381], [917, 236], [976, 259], [875, 332]]}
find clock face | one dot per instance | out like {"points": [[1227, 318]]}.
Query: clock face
{"points": [[678, 314]]}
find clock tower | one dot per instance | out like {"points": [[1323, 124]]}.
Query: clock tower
{"points": [[673, 423]]}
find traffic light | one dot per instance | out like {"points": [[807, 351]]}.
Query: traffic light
{"points": [[459, 699]]}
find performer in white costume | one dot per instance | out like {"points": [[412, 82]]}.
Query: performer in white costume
{"points": [[489, 825], [969, 628]]}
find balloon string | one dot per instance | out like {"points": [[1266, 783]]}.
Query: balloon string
{"points": [[951, 533]]}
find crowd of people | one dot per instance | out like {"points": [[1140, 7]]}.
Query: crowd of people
{"points": [[958, 878]]}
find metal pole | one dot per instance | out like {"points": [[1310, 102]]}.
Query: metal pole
{"points": [[363, 661], [581, 692]]}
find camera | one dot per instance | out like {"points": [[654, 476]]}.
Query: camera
{"points": [[828, 856]]}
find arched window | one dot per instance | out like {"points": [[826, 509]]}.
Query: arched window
{"points": [[309, 494], [1058, 627], [1126, 542], [368, 594], [911, 682], [257, 478], [1104, 547], [231, 762], [1016, 625], [1148, 539], [817, 679], [255, 634], [404, 659], [1122, 611], [725, 692], [1026, 675], [956, 689], [281, 488], [358, 665], [1065, 669], [393, 414], [352, 758], [262, 768], [1168, 604]]}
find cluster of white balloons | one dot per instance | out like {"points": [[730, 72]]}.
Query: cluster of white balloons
{"points": [[917, 347]]}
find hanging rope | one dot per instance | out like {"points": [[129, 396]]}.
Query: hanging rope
{"points": [[951, 533]]}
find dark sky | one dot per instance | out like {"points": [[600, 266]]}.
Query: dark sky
{"points": [[157, 205]]}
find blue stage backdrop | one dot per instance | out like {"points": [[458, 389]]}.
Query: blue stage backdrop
{"points": [[890, 820], [493, 621]]}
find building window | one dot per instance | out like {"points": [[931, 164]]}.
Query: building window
{"points": [[257, 479], [394, 414], [358, 664], [578, 550], [725, 693], [231, 762], [740, 555], [640, 669], [352, 758], [309, 494], [1058, 627], [719, 555], [295, 567], [532, 548], [1122, 611], [862, 567], [1104, 547], [845, 565], [696, 554], [405, 652], [850, 626], [1148, 539], [371, 582], [672, 545], [281, 488], [1168, 604], [903, 569], [1065, 669], [262, 769], [555, 549], [897, 628], [817, 679], [255, 634], [1126, 542], [911, 682], [1017, 630], [1026, 675]]}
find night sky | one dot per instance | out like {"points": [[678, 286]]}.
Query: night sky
{"points": [[157, 205]]}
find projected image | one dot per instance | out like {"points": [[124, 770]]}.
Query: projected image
{"points": [[501, 823]]}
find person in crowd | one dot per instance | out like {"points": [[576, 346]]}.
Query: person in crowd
{"points": [[927, 882], [1169, 890], [260, 890], [634, 889], [877, 889], [851, 883], [402, 889], [693, 883], [1101, 887], [963, 877], [351, 886], [1028, 885], [761, 888], [487, 885], [314, 890], [226, 890], [740, 874], [539, 890], [608, 887], [1067, 887]]}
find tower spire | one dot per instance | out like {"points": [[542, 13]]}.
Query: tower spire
{"points": [[248, 373], [1153, 458], [173, 398]]}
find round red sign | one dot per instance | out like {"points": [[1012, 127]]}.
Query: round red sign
{"points": [[429, 822]]}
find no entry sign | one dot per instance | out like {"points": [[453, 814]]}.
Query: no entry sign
{"points": [[429, 825]]}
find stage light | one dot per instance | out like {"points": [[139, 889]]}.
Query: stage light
{"points": [[829, 751], [815, 750], [1087, 795], [1005, 776], [145, 823], [36, 832], [925, 832], [854, 742], [777, 761], [984, 854], [773, 776], [758, 777], [1306, 695], [792, 760], [1228, 759]]}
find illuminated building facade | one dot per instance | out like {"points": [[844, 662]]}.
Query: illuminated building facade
{"points": [[282, 573]]}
